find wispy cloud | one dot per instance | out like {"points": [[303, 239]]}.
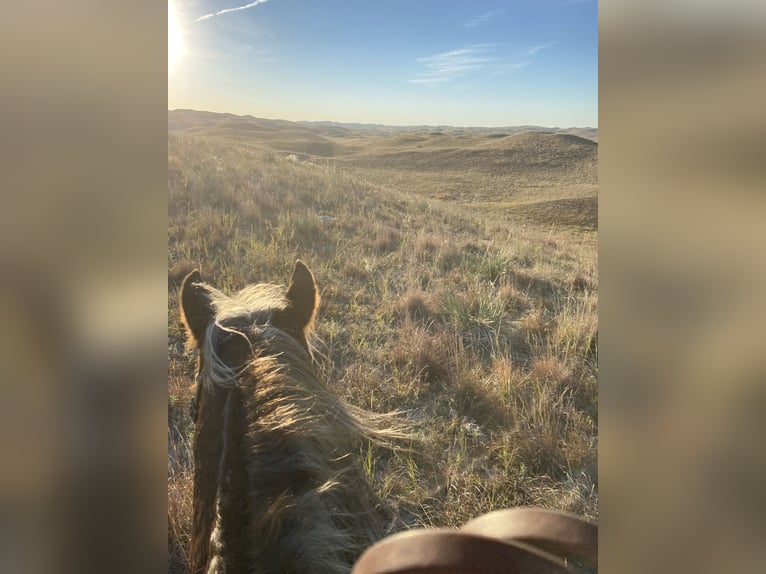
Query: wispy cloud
{"points": [[532, 50], [487, 60], [484, 18], [447, 66], [227, 10], [506, 69]]}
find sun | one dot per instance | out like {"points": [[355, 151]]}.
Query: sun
{"points": [[175, 39]]}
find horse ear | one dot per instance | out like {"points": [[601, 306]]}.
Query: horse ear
{"points": [[196, 308], [302, 299]]}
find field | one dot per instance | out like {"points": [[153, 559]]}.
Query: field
{"points": [[458, 273]]}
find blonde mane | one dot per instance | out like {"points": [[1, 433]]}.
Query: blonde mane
{"points": [[280, 486]]}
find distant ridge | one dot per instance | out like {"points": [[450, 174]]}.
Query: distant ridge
{"points": [[186, 120]]}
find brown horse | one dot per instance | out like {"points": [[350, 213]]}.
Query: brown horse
{"points": [[277, 487]]}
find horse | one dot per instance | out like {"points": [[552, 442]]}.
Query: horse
{"points": [[277, 484]]}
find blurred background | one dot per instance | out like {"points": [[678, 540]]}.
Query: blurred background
{"points": [[83, 153], [683, 369], [83, 295]]}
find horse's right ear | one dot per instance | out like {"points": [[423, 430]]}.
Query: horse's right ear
{"points": [[302, 302], [196, 308]]}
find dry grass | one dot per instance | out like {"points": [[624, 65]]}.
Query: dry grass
{"points": [[477, 323]]}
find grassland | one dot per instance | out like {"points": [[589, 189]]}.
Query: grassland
{"points": [[459, 280]]}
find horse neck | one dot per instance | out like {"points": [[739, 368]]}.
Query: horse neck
{"points": [[279, 420]]}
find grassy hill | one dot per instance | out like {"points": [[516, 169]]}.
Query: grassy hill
{"points": [[540, 177], [536, 175], [459, 280]]}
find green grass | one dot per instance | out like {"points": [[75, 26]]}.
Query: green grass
{"points": [[479, 324]]}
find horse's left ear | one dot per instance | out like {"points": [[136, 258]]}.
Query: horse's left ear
{"points": [[196, 308], [302, 299]]}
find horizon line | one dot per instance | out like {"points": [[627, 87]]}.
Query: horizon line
{"points": [[370, 123]]}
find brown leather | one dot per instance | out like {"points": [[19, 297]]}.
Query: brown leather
{"points": [[440, 551], [515, 541], [560, 533]]}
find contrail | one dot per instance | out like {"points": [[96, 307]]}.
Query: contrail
{"points": [[237, 9]]}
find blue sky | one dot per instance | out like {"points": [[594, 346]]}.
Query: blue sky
{"points": [[398, 62]]}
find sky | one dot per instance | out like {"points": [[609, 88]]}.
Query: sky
{"points": [[394, 62]]}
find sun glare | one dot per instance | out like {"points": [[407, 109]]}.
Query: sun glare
{"points": [[175, 39]]}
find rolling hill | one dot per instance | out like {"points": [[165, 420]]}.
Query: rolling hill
{"points": [[540, 175]]}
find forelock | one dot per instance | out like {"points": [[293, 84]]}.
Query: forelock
{"points": [[256, 302]]}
